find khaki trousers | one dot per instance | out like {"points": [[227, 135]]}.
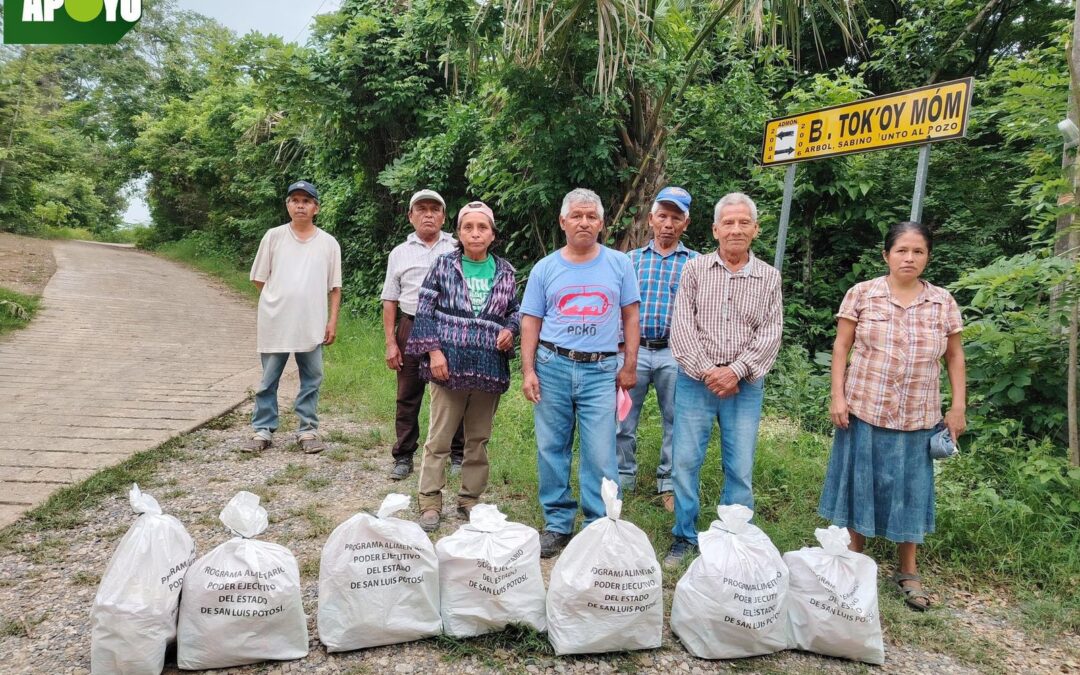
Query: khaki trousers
{"points": [[474, 411]]}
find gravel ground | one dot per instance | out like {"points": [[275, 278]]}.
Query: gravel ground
{"points": [[48, 577]]}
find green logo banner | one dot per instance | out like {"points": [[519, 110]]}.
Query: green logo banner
{"points": [[67, 22]]}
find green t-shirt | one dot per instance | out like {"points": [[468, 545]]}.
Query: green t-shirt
{"points": [[479, 277]]}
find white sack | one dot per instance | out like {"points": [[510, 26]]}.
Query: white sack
{"points": [[606, 590], [134, 613], [489, 575], [731, 602], [242, 600], [378, 581], [833, 601]]}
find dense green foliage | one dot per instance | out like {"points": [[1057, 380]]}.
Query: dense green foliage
{"points": [[389, 97]]}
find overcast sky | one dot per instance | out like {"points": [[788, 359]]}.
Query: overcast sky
{"points": [[291, 19]]}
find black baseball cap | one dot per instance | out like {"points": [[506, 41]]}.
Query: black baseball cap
{"points": [[303, 186]]}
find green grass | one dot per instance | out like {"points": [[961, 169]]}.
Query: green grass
{"points": [[67, 233], [217, 265], [21, 627], [83, 578], [316, 483], [516, 644], [16, 310], [62, 510], [136, 235], [319, 526], [290, 475]]}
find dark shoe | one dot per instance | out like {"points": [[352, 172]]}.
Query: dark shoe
{"points": [[311, 445], [552, 542], [401, 470], [681, 549], [255, 444], [455, 468], [464, 511], [429, 520], [914, 597]]}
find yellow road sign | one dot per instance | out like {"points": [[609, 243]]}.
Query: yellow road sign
{"points": [[928, 114]]}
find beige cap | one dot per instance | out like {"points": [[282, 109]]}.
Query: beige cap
{"points": [[426, 194]]}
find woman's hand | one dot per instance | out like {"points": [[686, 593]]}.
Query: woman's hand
{"points": [[437, 363], [505, 341], [838, 411], [955, 422]]}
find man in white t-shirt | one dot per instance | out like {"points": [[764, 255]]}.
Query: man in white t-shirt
{"points": [[298, 272]]}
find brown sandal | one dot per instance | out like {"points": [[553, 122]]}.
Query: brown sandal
{"points": [[912, 596]]}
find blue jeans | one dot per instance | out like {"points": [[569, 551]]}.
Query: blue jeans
{"points": [[659, 368], [581, 393], [265, 416], [739, 416]]}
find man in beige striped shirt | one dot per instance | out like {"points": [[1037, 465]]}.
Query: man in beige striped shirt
{"points": [[725, 334]]}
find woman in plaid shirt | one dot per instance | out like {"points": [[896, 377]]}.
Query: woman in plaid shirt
{"points": [[887, 402]]}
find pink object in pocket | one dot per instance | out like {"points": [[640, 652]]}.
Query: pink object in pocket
{"points": [[622, 403]]}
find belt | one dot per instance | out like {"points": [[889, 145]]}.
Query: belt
{"points": [[655, 344], [574, 355], [410, 317]]}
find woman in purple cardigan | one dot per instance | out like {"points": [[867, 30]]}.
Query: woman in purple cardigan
{"points": [[466, 322]]}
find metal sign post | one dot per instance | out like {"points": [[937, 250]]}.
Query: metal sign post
{"points": [[920, 184], [785, 216], [936, 112]]}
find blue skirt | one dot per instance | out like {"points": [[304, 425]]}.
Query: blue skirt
{"points": [[880, 482]]}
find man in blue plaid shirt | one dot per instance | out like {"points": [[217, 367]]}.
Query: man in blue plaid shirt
{"points": [[659, 265]]}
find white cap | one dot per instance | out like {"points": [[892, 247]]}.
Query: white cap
{"points": [[426, 194]]}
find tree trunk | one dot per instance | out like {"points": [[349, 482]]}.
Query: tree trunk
{"points": [[1068, 241], [644, 157], [639, 196], [1074, 437]]}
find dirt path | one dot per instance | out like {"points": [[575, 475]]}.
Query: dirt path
{"points": [[48, 577], [26, 264], [127, 351]]}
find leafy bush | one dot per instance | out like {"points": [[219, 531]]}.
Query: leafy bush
{"points": [[1015, 344], [1012, 510], [798, 388]]}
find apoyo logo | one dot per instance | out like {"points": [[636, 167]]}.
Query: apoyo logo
{"points": [[69, 21]]}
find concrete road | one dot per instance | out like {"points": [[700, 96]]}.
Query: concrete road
{"points": [[127, 351]]}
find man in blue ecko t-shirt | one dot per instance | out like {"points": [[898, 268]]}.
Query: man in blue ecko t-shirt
{"points": [[571, 312]]}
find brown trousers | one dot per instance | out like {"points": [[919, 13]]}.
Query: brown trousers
{"points": [[451, 410], [410, 397]]}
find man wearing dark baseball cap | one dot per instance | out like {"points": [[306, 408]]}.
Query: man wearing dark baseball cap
{"points": [[406, 269], [303, 186], [298, 272]]}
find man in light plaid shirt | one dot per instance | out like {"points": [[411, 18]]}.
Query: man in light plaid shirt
{"points": [[658, 265], [725, 335]]}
